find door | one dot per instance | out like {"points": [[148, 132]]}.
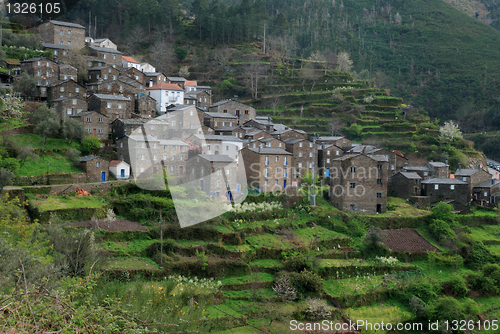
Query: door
{"points": [[122, 172], [328, 172], [379, 208], [103, 176], [284, 183], [181, 170], [94, 132]]}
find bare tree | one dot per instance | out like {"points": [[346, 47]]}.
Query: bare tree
{"points": [[345, 62], [308, 73], [335, 124], [162, 55], [184, 71], [221, 56], [253, 71], [75, 57], [275, 101]]}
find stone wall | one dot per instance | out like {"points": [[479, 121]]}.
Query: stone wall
{"points": [[55, 178]]}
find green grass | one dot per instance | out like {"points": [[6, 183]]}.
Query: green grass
{"points": [[403, 209], [235, 308], [11, 123], [127, 248], [248, 294], [356, 285], [34, 140], [261, 277], [494, 249], [59, 203], [57, 164], [389, 312], [133, 263], [481, 213], [265, 263], [269, 241], [306, 234], [482, 233], [328, 263]]}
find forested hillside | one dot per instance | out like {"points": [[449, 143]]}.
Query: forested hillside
{"points": [[431, 54]]}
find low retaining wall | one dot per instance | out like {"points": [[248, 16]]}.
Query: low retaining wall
{"points": [[55, 178], [18, 131], [60, 189]]}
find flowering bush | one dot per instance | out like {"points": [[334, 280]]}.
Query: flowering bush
{"points": [[253, 207], [368, 99], [194, 286], [317, 309], [387, 260]]}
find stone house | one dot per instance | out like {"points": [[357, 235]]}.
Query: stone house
{"points": [[62, 33], [242, 111], [109, 56], [442, 190], [261, 124], [104, 43], [46, 69], [135, 74], [57, 49], [405, 184], [176, 81], [94, 123], [255, 134], [136, 126], [214, 120], [326, 154], [207, 89], [113, 106], [146, 106], [67, 71], [423, 171], [487, 193], [226, 131], [339, 141], [473, 177], [103, 73], [358, 183], [166, 94], [93, 61], [217, 145], [396, 160], [267, 169], [199, 98], [140, 89], [174, 154], [67, 88], [270, 142], [69, 106], [439, 170], [154, 78], [284, 134], [303, 157], [96, 168], [216, 175], [142, 153], [114, 87]]}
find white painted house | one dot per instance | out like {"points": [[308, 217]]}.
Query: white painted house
{"points": [[166, 94], [129, 62], [120, 169]]}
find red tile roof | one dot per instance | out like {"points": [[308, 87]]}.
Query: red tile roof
{"points": [[114, 163], [398, 153], [190, 83], [165, 86], [130, 59]]}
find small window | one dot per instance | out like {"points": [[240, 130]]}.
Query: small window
{"points": [[61, 89], [88, 120], [69, 32], [120, 106], [379, 167], [464, 179], [327, 161], [77, 90], [311, 145], [275, 182], [98, 164], [328, 152], [266, 182], [485, 194], [246, 112], [379, 181], [379, 195], [452, 187], [352, 185], [100, 131], [353, 169], [74, 101], [436, 187], [109, 106], [300, 144], [337, 152]]}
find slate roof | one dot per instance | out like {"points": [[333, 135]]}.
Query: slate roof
{"points": [[176, 79], [216, 157], [377, 157], [98, 68], [88, 158], [101, 49], [293, 140], [418, 168], [66, 24], [411, 175], [437, 164], [85, 113], [331, 138], [217, 137], [169, 142], [466, 172], [488, 184], [269, 150], [443, 181], [55, 46], [67, 98], [111, 97], [219, 115], [218, 103], [226, 128]]}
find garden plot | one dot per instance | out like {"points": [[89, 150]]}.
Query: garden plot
{"points": [[407, 240], [358, 284], [131, 263], [388, 312], [486, 233]]}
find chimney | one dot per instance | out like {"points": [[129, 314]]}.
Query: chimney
{"points": [[323, 146], [406, 164], [259, 149], [235, 97], [479, 167], [459, 166], [404, 169], [364, 150], [446, 162]]}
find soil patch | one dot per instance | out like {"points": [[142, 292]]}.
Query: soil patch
{"points": [[117, 226], [407, 240]]}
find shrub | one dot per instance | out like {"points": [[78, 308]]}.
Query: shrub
{"points": [[356, 227], [425, 291], [444, 212], [307, 281], [440, 230], [459, 286], [446, 259], [317, 309], [283, 287], [478, 256], [492, 271], [417, 306], [90, 145], [299, 264]]}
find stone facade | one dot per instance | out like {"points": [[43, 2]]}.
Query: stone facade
{"points": [[267, 169], [114, 87], [326, 154], [242, 111], [69, 106], [67, 88], [154, 78], [214, 120], [44, 68], [143, 157], [405, 184], [94, 123], [62, 33], [199, 98], [97, 168], [135, 74], [338, 141], [109, 56], [358, 183], [113, 106], [103, 73], [473, 177], [146, 106], [67, 72], [288, 134], [439, 170], [487, 193], [441, 190], [303, 157]]}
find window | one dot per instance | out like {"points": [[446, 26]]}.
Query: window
{"points": [[109, 106], [266, 182], [286, 161], [77, 90], [109, 86], [279, 145], [266, 174], [379, 167], [227, 148], [74, 101], [154, 156], [69, 42], [39, 72], [352, 185], [464, 179], [392, 167], [311, 145], [89, 130], [452, 187], [120, 106], [267, 161], [436, 187], [300, 164], [114, 57], [216, 123], [275, 182], [379, 181], [310, 154], [276, 170], [98, 164], [70, 112], [48, 64], [61, 32], [300, 154], [218, 184], [277, 159], [100, 131], [208, 146], [39, 63], [327, 161], [61, 89], [225, 111], [104, 56], [164, 157], [300, 144], [426, 173], [379, 195], [223, 123], [55, 52], [173, 157], [328, 152], [69, 32], [285, 174], [88, 120], [353, 169], [485, 194], [246, 112], [227, 171]]}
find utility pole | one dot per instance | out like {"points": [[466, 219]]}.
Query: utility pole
{"points": [[161, 240], [90, 24], [313, 180], [264, 38]]}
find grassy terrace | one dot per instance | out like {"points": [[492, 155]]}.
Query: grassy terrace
{"points": [[59, 203]]}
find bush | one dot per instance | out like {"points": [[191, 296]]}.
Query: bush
{"points": [[417, 306], [478, 256], [307, 281], [299, 264], [446, 259], [425, 291], [317, 309], [458, 286], [355, 227], [492, 271], [90, 145], [444, 212], [441, 231]]}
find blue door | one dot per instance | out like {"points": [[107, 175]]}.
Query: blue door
{"points": [[122, 173], [328, 172], [103, 176], [284, 184]]}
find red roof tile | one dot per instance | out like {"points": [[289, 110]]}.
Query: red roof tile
{"points": [[165, 86], [114, 163], [190, 83], [130, 59]]}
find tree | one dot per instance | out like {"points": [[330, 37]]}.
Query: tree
{"points": [[283, 287], [309, 73], [26, 84], [253, 71], [184, 72], [335, 124], [90, 144], [72, 129], [46, 123], [449, 132], [162, 55], [25, 152], [74, 156], [345, 62], [6, 177]]}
